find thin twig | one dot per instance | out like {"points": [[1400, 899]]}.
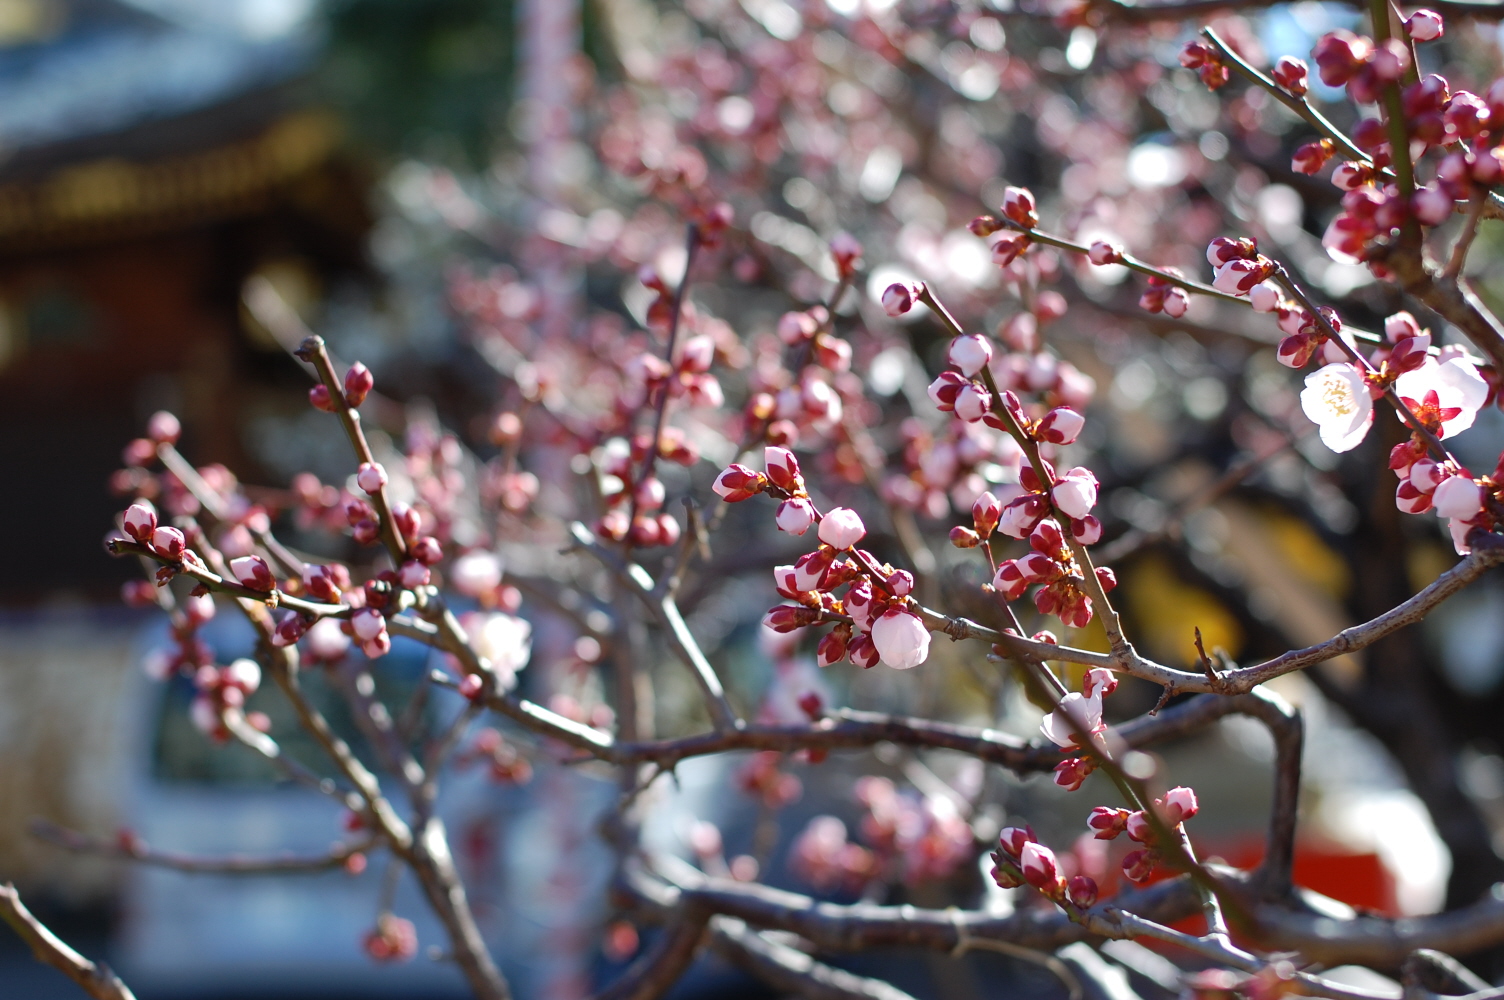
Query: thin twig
{"points": [[133, 849]]}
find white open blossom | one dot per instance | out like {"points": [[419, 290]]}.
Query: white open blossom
{"points": [[1457, 385], [505, 640], [1337, 401]]}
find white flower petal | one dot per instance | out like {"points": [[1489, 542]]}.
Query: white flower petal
{"points": [[1337, 401]]}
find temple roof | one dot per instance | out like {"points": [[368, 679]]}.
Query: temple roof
{"points": [[90, 68]]}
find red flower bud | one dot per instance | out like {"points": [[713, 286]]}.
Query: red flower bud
{"points": [[1081, 890], [321, 400], [358, 383]]}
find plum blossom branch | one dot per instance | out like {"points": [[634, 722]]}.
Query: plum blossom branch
{"points": [[93, 978], [130, 847], [1296, 103], [343, 396], [1091, 581]]}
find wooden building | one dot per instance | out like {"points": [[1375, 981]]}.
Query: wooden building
{"points": [[147, 168]]}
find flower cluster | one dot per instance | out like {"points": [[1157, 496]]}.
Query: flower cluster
{"points": [[1207, 62], [1106, 823], [882, 625], [1020, 859], [502, 760], [915, 838], [1052, 564]]}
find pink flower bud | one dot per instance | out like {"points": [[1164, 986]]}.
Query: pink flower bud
{"points": [[406, 521], [320, 398], [964, 538], [737, 483], [169, 543], [471, 686], [1072, 772], [863, 652], [833, 353], [1225, 250], [901, 639], [1139, 865], [1424, 25], [783, 468], [1021, 514], [1296, 350], [367, 623], [809, 569], [1081, 890], [697, 354], [900, 297], [1008, 248], [786, 618], [649, 494], [832, 648], [1013, 839], [972, 404], [1062, 425], [1391, 60], [1340, 54], [414, 574], [1238, 277], [1086, 530], [320, 583], [1179, 805], [796, 327], [846, 250], [243, 674], [1018, 206], [163, 428], [1310, 158], [289, 629], [1139, 828], [1176, 302], [1107, 822], [358, 384], [427, 550], [199, 608], [377, 647], [944, 390], [1458, 497], [1426, 475], [985, 513], [1102, 252], [253, 572], [1040, 868], [1010, 580], [1076, 492], [1292, 74], [1432, 206], [842, 528], [970, 353], [140, 522], [1411, 500], [795, 516], [371, 477], [1264, 297]]}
